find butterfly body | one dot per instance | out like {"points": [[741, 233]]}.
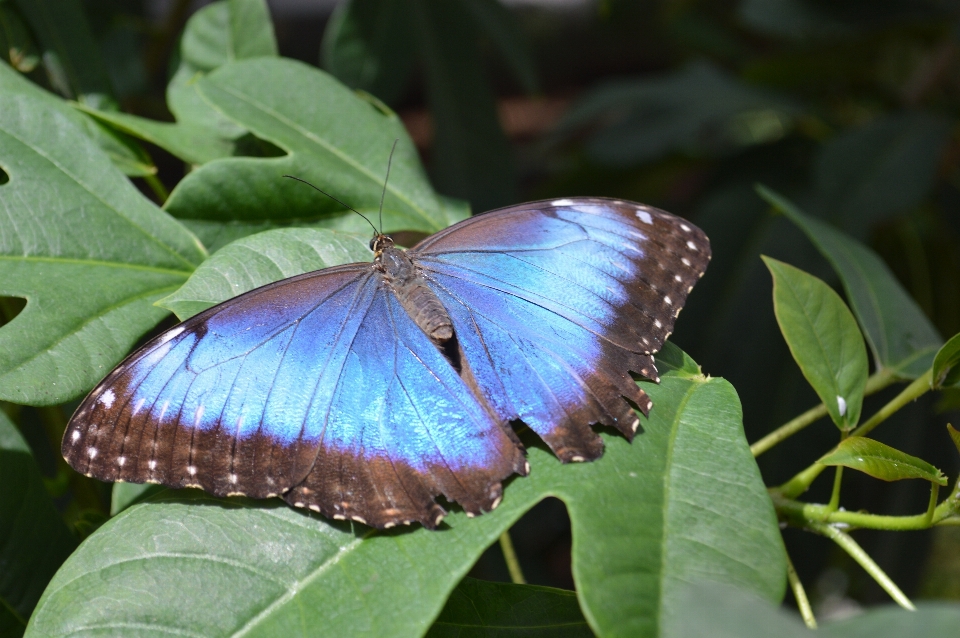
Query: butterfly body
{"points": [[364, 391]]}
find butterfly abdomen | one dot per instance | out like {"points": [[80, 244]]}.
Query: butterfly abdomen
{"points": [[416, 297]]}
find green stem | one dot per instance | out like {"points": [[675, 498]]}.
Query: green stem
{"points": [[510, 556], [846, 542], [801, 482], [801, 514], [875, 383], [834, 503], [932, 506], [800, 595], [157, 187]]}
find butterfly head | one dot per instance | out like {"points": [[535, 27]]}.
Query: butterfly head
{"points": [[379, 242]]}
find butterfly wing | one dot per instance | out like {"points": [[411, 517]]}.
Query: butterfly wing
{"points": [[319, 388], [553, 303]]}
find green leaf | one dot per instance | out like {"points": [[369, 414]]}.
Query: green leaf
{"points": [[123, 152], [333, 139], [886, 167], [34, 540], [901, 337], [470, 156], [482, 609], [930, 619], [261, 259], [699, 110], [71, 54], [955, 435], [881, 461], [946, 365], [215, 35], [368, 45], [86, 250], [823, 338], [684, 502], [499, 24]]}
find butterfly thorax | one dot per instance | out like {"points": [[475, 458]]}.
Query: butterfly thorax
{"points": [[402, 277]]}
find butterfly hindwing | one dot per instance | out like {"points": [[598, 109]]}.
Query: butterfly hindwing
{"points": [[554, 302]]}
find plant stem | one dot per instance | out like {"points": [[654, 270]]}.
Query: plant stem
{"points": [[805, 514], [157, 187], [875, 383], [846, 542], [834, 503], [919, 387], [800, 595], [510, 556], [801, 482]]}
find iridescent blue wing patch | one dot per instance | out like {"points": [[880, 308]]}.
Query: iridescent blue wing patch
{"points": [[554, 302], [318, 388]]}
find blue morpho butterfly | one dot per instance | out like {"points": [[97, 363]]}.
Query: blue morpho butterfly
{"points": [[364, 391]]}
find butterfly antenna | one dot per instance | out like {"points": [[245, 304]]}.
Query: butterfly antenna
{"points": [[375, 231], [386, 179]]}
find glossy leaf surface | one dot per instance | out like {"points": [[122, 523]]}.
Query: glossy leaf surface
{"points": [[901, 337], [683, 502], [823, 338], [112, 255], [881, 461]]}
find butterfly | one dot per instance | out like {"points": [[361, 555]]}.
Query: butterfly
{"points": [[367, 390]]}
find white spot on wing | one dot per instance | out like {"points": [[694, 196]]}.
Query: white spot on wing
{"points": [[842, 404], [562, 202], [644, 216], [75, 435], [691, 245], [152, 464], [577, 459], [667, 300], [192, 469], [494, 505], [233, 478], [678, 277], [107, 398], [685, 228], [686, 262], [198, 416], [92, 452], [121, 461], [139, 405], [170, 334]]}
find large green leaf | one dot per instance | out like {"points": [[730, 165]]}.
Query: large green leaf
{"points": [[215, 35], [481, 609], [84, 248], [333, 139], [888, 166], [683, 503], [124, 154], [901, 337], [34, 541], [823, 338], [260, 259], [881, 461], [71, 55], [369, 45], [470, 156]]}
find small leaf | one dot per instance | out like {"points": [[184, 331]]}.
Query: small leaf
{"points": [[78, 237], [881, 461], [900, 335], [645, 521], [260, 259], [955, 435], [483, 609], [823, 338], [35, 538], [946, 365]]}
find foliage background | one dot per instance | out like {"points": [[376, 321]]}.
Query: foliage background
{"points": [[849, 108]]}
